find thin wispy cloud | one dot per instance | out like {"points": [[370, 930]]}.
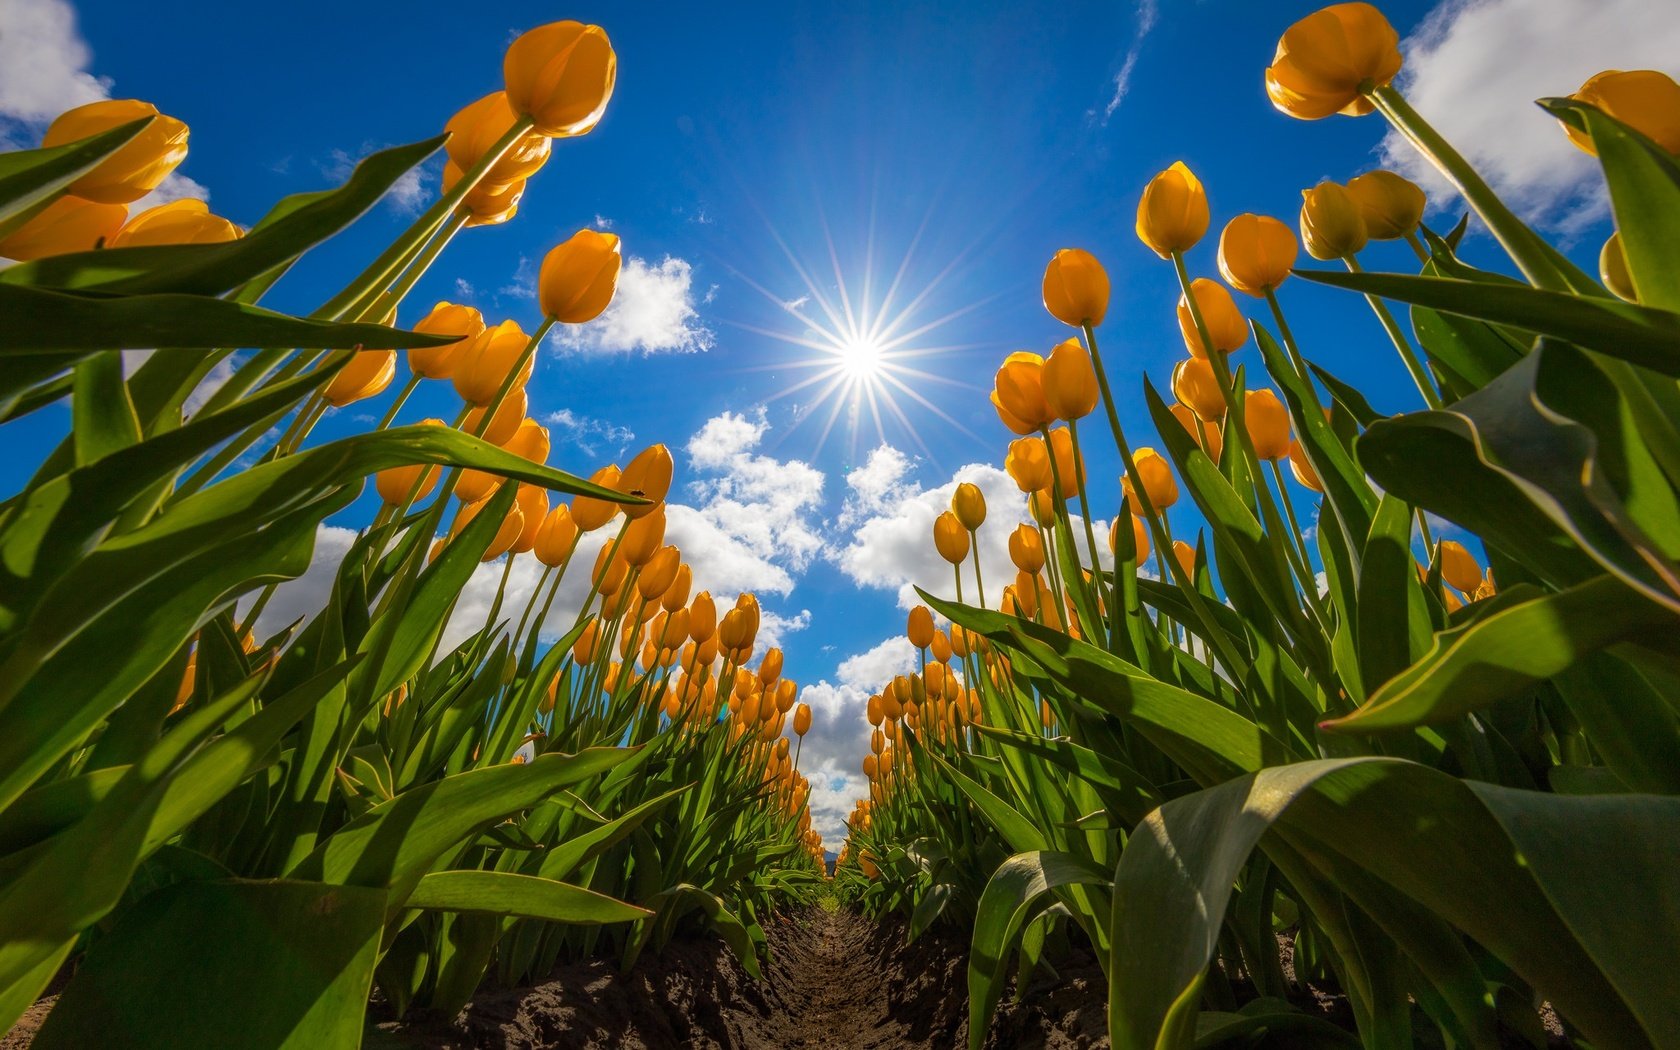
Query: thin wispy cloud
{"points": [[1148, 13]]}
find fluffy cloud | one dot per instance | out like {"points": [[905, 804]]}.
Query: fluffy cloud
{"points": [[1474, 67], [653, 311], [587, 433]]}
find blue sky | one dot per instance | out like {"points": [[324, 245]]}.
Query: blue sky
{"points": [[750, 155]]}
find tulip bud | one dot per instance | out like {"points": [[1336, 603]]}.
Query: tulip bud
{"points": [[1613, 270], [647, 476], [873, 713], [1069, 381], [1140, 537], [488, 203], [770, 667], [1197, 388], [1459, 568], [561, 75], [1391, 205], [1076, 288], [438, 362], [532, 503], [556, 537], [1645, 100], [920, 627], [969, 505], [871, 769], [579, 276], [1028, 463], [1172, 214], [504, 424], [591, 513], [1158, 482], [1205, 434], [1226, 326], [1027, 594], [1328, 60], [1070, 466], [1302, 468], [676, 595], [1267, 420], [68, 224], [478, 127], [1185, 555], [481, 370], [588, 643], [185, 221], [512, 525], [609, 572], [642, 538], [368, 374], [1256, 253], [940, 646], [658, 574], [802, 719], [1042, 506], [137, 167], [1018, 393], [1331, 224], [395, 483], [950, 538], [702, 617], [1026, 549]]}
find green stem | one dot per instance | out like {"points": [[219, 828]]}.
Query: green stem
{"points": [[1090, 533], [1289, 345], [402, 396], [1418, 249], [979, 581], [393, 296], [1420, 375]]}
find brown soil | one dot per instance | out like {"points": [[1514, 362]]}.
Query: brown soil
{"points": [[833, 981]]}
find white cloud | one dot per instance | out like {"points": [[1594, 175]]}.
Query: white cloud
{"points": [[589, 434], [1474, 68], [1148, 12], [653, 311]]}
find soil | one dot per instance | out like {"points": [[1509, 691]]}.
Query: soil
{"points": [[834, 981]]}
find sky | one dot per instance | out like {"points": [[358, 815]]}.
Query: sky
{"points": [[786, 177]]}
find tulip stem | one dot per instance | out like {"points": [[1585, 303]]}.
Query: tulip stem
{"points": [[393, 296], [1289, 344], [1085, 513], [1420, 375], [512, 377], [501, 589], [1418, 249], [402, 396], [1298, 548], [979, 582]]}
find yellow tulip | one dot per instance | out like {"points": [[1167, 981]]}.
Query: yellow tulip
{"points": [[588, 643], [642, 538], [1070, 465], [532, 503], [504, 424], [438, 362], [579, 276], [802, 719], [1185, 555], [68, 224], [1196, 386], [968, 503], [480, 371], [135, 169], [1613, 270], [1332, 226], [1207, 435], [1158, 482], [1018, 393], [609, 572], [556, 537], [1645, 100], [1391, 205], [512, 525], [1328, 60], [659, 573], [1140, 537], [1028, 463], [186, 221], [1256, 253], [395, 483], [530, 442], [1226, 326], [1042, 506], [1267, 420], [1302, 468], [1069, 381], [676, 595], [1076, 288], [950, 538], [647, 476], [702, 617], [478, 127], [1459, 568], [919, 628], [561, 75], [1026, 549], [488, 203], [368, 374], [591, 513], [1172, 214], [941, 646]]}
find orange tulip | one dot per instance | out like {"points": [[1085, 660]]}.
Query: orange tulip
{"points": [[561, 76], [139, 166]]}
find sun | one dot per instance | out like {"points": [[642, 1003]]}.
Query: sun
{"points": [[861, 357]]}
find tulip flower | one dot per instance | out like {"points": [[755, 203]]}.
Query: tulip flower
{"points": [[647, 476], [488, 203], [529, 441], [438, 362], [1076, 288], [1026, 549], [395, 483], [609, 572], [919, 629], [578, 277], [1204, 433], [1613, 270], [1197, 388], [481, 369], [591, 513], [368, 374], [950, 538], [1332, 225], [1226, 326], [1391, 205], [1018, 393], [1028, 463], [969, 505], [1042, 506], [676, 595], [1069, 464], [1302, 468], [504, 423], [659, 573], [1158, 482], [134, 169], [68, 224], [1645, 100], [1186, 558], [532, 504], [1459, 568], [1172, 214], [1256, 253], [702, 617], [1326, 62], [588, 643], [561, 76], [556, 537], [642, 538], [1069, 381], [478, 127], [1140, 537], [512, 525], [1267, 420], [802, 719], [940, 646], [186, 221]]}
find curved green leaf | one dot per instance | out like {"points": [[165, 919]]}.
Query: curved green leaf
{"points": [[503, 893]]}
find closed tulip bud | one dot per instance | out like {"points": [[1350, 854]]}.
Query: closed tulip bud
{"points": [[959, 641], [1172, 214], [1645, 100], [1026, 594], [186, 221], [588, 643], [920, 627], [504, 424], [488, 203], [658, 574], [368, 374], [1076, 288], [802, 719], [1070, 466], [1140, 537], [1256, 253], [1070, 383], [1226, 326], [591, 513], [873, 713], [556, 537], [1018, 393], [871, 769], [561, 75], [1158, 482], [1302, 468], [530, 441], [1028, 463], [1613, 270], [478, 127], [1332, 226], [512, 525], [609, 572], [438, 362], [940, 646], [1042, 506], [676, 595], [1328, 60], [480, 371], [1197, 388], [1185, 555], [1459, 568], [395, 483], [68, 224], [969, 505], [1391, 205], [770, 667], [642, 538], [950, 538], [1026, 549], [134, 169], [786, 690], [1205, 434], [647, 476], [1268, 424], [532, 501], [702, 617], [579, 276]]}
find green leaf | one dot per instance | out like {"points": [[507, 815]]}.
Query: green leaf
{"points": [[31, 179], [525, 896], [102, 415]]}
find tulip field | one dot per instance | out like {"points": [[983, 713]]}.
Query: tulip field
{"points": [[1252, 753]]}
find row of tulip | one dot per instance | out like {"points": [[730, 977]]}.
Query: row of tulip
{"points": [[227, 836], [1339, 758]]}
